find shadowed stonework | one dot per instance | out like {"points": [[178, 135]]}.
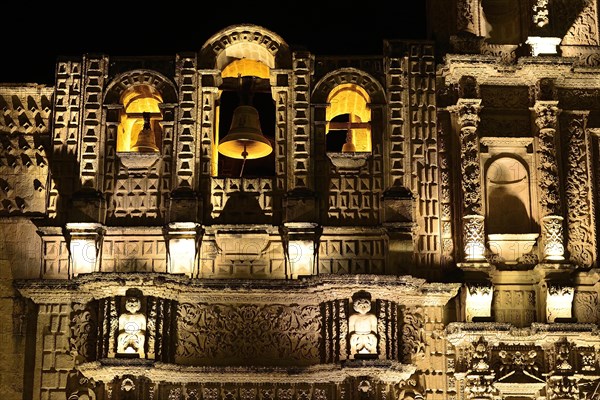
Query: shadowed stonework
{"points": [[418, 224]]}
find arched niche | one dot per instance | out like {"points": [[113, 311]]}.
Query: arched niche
{"points": [[508, 197]]}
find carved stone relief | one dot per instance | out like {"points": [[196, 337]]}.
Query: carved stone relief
{"points": [[581, 240], [246, 333]]}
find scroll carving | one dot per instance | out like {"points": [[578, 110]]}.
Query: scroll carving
{"points": [[413, 333], [83, 331], [468, 119], [246, 332], [580, 224], [546, 120]]}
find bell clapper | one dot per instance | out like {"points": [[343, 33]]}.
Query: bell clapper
{"points": [[244, 156]]}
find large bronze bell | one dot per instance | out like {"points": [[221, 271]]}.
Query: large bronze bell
{"points": [[245, 139], [146, 142]]}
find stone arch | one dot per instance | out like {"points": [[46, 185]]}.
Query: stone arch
{"points": [[244, 41], [127, 80], [348, 75]]}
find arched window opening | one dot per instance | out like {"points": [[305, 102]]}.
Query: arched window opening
{"points": [[245, 82], [139, 128], [348, 115]]}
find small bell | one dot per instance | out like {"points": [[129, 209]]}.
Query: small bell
{"points": [[348, 147], [145, 142]]}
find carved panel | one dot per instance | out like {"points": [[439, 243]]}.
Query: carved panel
{"points": [[423, 152], [547, 161], [247, 334], [131, 254], [583, 26], [585, 307], [355, 198], [258, 255], [504, 97], [579, 98], [446, 188], [84, 331], [24, 174], [242, 200], [53, 331], [514, 306], [351, 255], [396, 87], [55, 257], [299, 166]]}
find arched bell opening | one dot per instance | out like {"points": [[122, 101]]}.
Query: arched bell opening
{"points": [[348, 116], [139, 127], [245, 140]]}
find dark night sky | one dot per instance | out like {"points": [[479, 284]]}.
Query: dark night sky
{"points": [[35, 35]]}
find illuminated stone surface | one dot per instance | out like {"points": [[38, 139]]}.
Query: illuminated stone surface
{"points": [[476, 167]]}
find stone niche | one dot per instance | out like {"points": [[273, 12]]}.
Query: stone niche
{"points": [[511, 232]]}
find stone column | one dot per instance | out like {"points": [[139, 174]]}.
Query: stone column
{"points": [[546, 112], [467, 112]]}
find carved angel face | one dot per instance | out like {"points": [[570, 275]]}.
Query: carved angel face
{"points": [[133, 305], [362, 306]]}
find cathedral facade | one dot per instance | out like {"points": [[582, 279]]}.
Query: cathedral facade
{"points": [[250, 221]]}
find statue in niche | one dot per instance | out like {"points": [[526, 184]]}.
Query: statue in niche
{"points": [[362, 326], [132, 329]]}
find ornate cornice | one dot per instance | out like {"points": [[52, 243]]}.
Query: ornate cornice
{"points": [[460, 333], [384, 371], [405, 290]]}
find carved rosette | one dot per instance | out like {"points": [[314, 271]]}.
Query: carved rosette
{"points": [[552, 234], [474, 237]]}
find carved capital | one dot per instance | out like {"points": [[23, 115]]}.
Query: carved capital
{"points": [[546, 114], [467, 111], [552, 231]]}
